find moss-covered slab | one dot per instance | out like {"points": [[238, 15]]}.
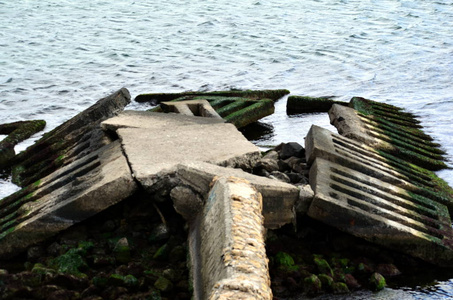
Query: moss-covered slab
{"points": [[67, 196], [68, 142], [389, 129], [397, 173], [156, 98], [16, 132], [378, 198], [369, 208], [239, 111], [306, 104]]}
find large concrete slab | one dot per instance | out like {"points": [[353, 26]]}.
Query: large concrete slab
{"points": [[321, 143], [279, 198], [372, 209], [227, 244], [67, 196], [156, 143]]}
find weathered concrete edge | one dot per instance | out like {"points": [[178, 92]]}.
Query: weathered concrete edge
{"points": [[279, 198]]}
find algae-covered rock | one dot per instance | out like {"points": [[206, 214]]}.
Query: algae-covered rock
{"points": [[162, 253], [326, 281], [377, 282], [122, 251], [312, 285], [70, 263], [323, 266], [340, 288], [163, 284], [283, 259]]}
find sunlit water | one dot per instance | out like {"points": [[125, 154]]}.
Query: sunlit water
{"points": [[57, 57]]}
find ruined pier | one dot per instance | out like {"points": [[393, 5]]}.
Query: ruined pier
{"points": [[374, 180]]}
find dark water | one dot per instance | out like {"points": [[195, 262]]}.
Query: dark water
{"points": [[57, 57]]}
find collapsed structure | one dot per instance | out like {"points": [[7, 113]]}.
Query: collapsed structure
{"points": [[374, 180]]}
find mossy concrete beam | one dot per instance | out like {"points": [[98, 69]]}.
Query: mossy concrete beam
{"points": [[305, 104], [156, 98], [71, 140], [16, 132]]}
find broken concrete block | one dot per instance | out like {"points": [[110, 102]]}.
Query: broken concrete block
{"points": [[237, 110], [279, 198], [229, 239], [16, 132], [68, 142], [321, 143], [67, 196], [154, 150], [305, 104], [199, 108], [365, 206], [388, 129]]}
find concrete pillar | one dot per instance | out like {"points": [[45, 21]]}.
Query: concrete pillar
{"points": [[231, 260]]}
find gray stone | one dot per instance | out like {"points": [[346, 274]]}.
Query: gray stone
{"points": [[280, 176], [186, 202], [271, 155], [267, 164], [278, 197], [305, 199], [67, 196], [291, 149]]}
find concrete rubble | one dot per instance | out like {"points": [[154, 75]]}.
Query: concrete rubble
{"points": [[237, 107], [360, 182]]}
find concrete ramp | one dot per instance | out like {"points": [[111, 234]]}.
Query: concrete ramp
{"points": [[357, 191]]}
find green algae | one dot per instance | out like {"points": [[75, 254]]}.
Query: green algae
{"points": [[71, 263], [284, 259]]}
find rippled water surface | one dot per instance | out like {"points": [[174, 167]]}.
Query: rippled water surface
{"points": [[57, 57]]}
